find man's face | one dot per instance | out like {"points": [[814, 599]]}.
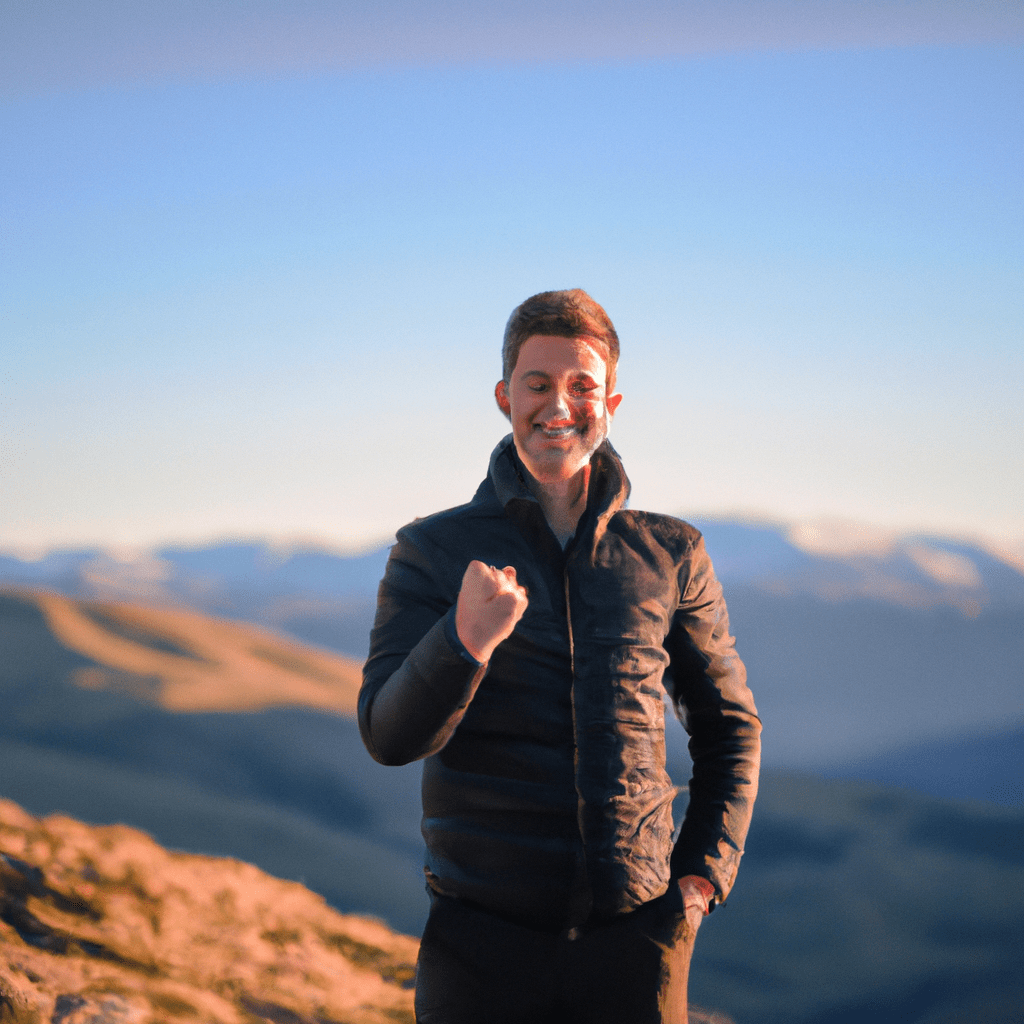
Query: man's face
{"points": [[558, 406]]}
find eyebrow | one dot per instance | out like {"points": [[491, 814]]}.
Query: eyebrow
{"points": [[547, 376]]}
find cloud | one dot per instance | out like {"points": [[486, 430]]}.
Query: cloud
{"points": [[57, 45]]}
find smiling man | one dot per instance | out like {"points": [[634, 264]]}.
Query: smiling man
{"points": [[560, 890]]}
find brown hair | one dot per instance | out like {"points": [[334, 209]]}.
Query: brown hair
{"points": [[564, 314]]}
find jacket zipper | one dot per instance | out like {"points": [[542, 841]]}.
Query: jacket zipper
{"points": [[568, 622], [581, 899]]}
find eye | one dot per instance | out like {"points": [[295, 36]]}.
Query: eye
{"points": [[538, 387]]}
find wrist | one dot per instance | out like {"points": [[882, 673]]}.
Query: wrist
{"points": [[476, 650], [467, 632], [452, 632]]}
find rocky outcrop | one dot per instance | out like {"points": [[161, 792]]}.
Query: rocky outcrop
{"points": [[101, 925]]}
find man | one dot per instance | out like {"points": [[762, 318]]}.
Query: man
{"points": [[534, 691]]}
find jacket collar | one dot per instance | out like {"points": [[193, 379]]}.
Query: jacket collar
{"points": [[609, 486]]}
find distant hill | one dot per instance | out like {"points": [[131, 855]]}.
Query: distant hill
{"points": [[320, 597], [178, 659], [985, 766], [859, 645], [862, 903], [841, 562]]}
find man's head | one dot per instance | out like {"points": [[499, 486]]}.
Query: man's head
{"points": [[559, 354], [564, 314]]}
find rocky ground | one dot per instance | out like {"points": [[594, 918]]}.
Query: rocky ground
{"points": [[104, 926]]}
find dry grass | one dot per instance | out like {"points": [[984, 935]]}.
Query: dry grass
{"points": [[102, 924]]}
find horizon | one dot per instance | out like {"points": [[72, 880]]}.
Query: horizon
{"points": [[825, 537]]}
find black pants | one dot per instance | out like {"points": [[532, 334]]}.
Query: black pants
{"points": [[475, 968]]}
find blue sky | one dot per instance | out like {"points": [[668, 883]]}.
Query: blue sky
{"points": [[255, 270]]}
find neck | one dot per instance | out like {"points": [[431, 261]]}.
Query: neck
{"points": [[563, 502]]}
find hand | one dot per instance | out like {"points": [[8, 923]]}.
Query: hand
{"points": [[490, 604]]}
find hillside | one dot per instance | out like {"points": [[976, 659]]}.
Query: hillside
{"points": [[171, 657], [102, 924]]}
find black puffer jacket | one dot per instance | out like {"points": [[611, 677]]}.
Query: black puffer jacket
{"points": [[545, 794]]}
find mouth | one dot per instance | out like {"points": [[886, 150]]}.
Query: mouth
{"points": [[556, 433]]}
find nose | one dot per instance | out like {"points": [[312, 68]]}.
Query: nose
{"points": [[559, 409]]}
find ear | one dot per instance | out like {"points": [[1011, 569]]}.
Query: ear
{"points": [[501, 397], [612, 403]]}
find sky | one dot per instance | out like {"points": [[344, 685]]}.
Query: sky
{"points": [[256, 258]]}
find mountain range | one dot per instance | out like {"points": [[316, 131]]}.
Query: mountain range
{"points": [[871, 656]]}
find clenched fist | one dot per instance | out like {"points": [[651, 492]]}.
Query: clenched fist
{"points": [[490, 604]]}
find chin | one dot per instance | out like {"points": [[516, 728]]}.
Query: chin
{"points": [[554, 466], [554, 473]]}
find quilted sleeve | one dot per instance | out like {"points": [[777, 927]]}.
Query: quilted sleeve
{"points": [[418, 680], [709, 689]]}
